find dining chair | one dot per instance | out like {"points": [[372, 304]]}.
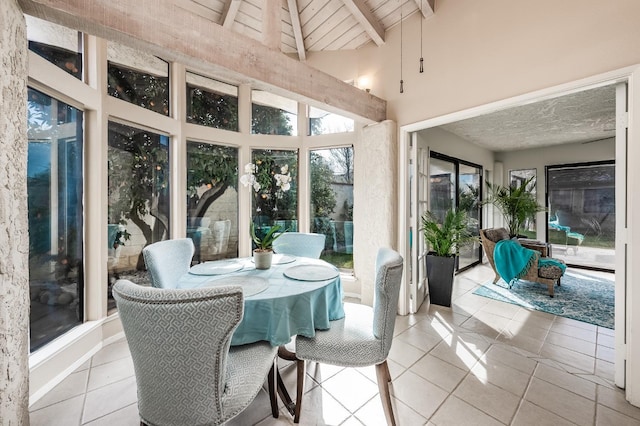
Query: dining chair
{"points": [[300, 244], [186, 371], [363, 337], [168, 260]]}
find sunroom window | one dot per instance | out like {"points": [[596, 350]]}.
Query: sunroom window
{"points": [[273, 114], [211, 103], [137, 77], [59, 45], [54, 191], [324, 123], [212, 200], [331, 172], [138, 197]]}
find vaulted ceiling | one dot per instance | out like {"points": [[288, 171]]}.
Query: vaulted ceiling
{"points": [[312, 25]]}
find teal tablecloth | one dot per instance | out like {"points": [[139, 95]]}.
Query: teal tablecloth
{"points": [[286, 307]]}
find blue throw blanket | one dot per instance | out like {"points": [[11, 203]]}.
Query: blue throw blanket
{"points": [[512, 260]]}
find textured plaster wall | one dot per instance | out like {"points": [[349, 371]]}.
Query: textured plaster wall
{"points": [[14, 238], [375, 200]]}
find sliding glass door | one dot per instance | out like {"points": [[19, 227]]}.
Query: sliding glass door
{"points": [[581, 206], [455, 183]]}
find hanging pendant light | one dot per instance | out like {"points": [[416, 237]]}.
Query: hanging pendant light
{"points": [[401, 80], [421, 19]]}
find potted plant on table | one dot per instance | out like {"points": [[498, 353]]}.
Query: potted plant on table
{"points": [[517, 203], [263, 252], [444, 239]]}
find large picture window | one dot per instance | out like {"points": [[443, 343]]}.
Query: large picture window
{"points": [[331, 199], [272, 114], [212, 200], [138, 196], [54, 190]]}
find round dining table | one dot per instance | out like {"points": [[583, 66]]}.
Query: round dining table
{"points": [[297, 295]]}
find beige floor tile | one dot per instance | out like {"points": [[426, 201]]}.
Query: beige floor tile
{"points": [[605, 353], [447, 315], [419, 338], [566, 381], [606, 417], [605, 370], [437, 326], [419, 394], [65, 413], [521, 341], [500, 375], [352, 421], [579, 361], [127, 416], [615, 399], [505, 310], [606, 331], [573, 343], [574, 328], [318, 372], [109, 398], [606, 339], [341, 387], [480, 326], [404, 354], [529, 329], [111, 372], [112, 352], [498, 354], [439, 372], [531, 415], [372, 414], [457, 353], [455, 412], [561, 402], [73, 385], [496, 402], [319, 408], [535, 318], [259, 410]]}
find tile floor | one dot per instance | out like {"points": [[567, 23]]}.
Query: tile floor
{"points": [[481, 362]]}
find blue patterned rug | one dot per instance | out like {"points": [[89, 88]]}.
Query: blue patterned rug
{"points": [[580, 296]]}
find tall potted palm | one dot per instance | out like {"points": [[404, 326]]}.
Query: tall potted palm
{"points": [[517, 203], [444, 239]]}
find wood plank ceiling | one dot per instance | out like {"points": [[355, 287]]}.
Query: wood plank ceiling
{"points": [[313, 25]]}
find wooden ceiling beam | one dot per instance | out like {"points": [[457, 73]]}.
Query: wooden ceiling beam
{"points": [[271, 23], [297, 29], [363, 15], [428, 7], [229, 13], [162, 28]]}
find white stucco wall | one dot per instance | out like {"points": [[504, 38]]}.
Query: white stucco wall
{"points": [[14, 238]]}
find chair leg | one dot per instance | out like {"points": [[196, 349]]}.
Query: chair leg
{"points": [[383, 377], [550, 287], [300, 367], [273, 390], [497, 278]]}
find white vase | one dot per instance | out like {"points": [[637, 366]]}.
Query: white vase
{"points": [[262, 258]]}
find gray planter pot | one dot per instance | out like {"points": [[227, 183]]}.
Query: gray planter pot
{"points": [[262, 259], [440, 271]]}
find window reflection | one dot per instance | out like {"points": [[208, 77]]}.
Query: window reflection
{"points": [[54, 190], [273, 115], [212, 200], [59, 45], [211, 103], [138, 197]]}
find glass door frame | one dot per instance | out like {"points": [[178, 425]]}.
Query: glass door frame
{"points": [[457, 162]]}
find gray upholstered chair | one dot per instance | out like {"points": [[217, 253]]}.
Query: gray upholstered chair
{"points": [[363, 337], [300, 244], [186, 371], [168, 260]]}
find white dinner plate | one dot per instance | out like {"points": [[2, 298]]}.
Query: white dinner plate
{"points": [[219, 267], [250, 285], [311, 273]]}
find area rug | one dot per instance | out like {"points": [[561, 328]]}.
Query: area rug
{"points": [[580, 296]]}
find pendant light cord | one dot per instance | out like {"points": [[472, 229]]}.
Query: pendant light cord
{"points": [[421, 57], [401, 80]]}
